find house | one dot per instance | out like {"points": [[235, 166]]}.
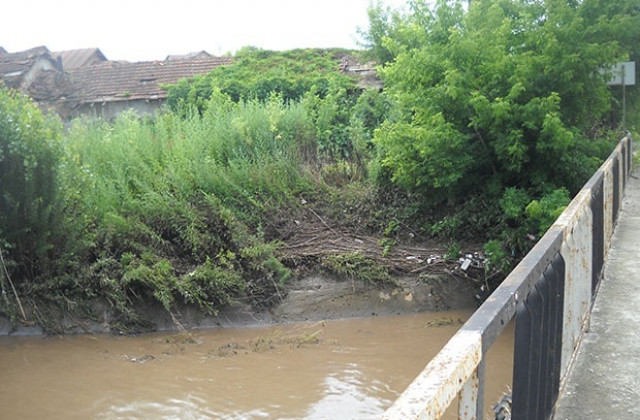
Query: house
{"points": [[191, 56], [108, 88], [82, 81], [22, 69], [73, 59]]}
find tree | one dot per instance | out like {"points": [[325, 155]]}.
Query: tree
{"points": [[504, 95]]}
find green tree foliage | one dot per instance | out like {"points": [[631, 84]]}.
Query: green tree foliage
{"points": [[504, 95], [342, 116], [257, 74], [379, 30]]}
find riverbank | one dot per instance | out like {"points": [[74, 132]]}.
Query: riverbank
{"points": [[311, 298]]}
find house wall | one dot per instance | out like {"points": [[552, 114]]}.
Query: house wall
{"points": [[109, 110], [39, 66]]}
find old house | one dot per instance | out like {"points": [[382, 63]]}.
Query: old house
{"points": [[73, 59], [83, 82], [106, 89], [197, 55], [22, 69]]}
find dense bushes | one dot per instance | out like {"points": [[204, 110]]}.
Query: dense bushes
{"points": [[32, 225], [258, 74], [505, 96], [175, 207]]}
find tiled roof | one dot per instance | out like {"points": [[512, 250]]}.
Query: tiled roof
{"points": [[121, 81], [72, 59], [11, 62], [2, 51], [190, 56], [13, 66], [48, 86]]}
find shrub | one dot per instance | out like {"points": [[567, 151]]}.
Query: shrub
{"points": [[31, 222]]}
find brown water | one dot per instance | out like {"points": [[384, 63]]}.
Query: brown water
{"points": [[351, 369]]}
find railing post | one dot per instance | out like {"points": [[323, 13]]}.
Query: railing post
{"points": [[469, 397]]}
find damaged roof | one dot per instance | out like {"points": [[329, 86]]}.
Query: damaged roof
{"points": [[15, 66], [72, 59], [122, 81]]}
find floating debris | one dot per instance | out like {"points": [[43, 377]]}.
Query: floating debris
{"points": [[444, 322], [142, 359]]}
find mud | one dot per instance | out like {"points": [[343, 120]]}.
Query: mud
{"points": [[310, 298]]}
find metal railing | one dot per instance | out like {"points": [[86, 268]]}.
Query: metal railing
{"points": [[549, 294]]}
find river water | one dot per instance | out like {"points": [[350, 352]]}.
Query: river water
{"points": [[348, 369]]}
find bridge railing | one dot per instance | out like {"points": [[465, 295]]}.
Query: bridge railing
{"points": [[549, 294]]}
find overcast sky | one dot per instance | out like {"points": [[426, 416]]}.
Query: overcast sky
{"points": [[140, 30]]}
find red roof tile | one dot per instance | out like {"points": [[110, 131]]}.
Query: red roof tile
{"points": [[121, 81]]}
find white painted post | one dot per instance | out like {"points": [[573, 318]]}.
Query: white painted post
{"points": [[468, 398], [577, 251]]}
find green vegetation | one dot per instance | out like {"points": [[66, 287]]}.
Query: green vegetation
{"points": [[504, 104], [180, 210], [258, 74], [354, 266], [490, 120], [32, 229]]}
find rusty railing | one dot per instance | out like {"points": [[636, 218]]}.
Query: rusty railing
{"points": [[549, 294]]}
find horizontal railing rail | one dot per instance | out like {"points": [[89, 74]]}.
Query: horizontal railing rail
{"points": [[549, 294]]}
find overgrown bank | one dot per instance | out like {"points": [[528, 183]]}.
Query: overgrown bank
{"points": [[250, 181]]}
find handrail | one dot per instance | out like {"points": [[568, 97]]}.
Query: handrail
{"points": [[549, 294]]}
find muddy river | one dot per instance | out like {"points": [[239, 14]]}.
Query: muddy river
{"points": [[350, 369]]}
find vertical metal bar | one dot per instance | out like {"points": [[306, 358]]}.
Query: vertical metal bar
{"points": [[545, 343], [597, 233], [615, 170], [468, 398], [629, 157], [521, 360], [625, 160], [538, 345], [553, 279], [557, 316], [537, 304], [526, 363]]}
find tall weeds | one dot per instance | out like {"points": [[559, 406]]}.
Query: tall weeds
{"points": [[173, 208]]}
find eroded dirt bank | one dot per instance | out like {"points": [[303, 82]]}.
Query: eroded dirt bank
{"points": [[310, 298], [337, 272]]}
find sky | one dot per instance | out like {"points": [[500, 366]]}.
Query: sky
{"points": [[146, 30]]}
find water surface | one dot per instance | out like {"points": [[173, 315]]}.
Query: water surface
{"points": [[350, 369]]}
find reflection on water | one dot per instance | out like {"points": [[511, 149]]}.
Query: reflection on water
{"points": [[350, 369], [350, 394]]}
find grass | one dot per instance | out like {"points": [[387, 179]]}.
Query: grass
{"points": [[177, 204]]}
